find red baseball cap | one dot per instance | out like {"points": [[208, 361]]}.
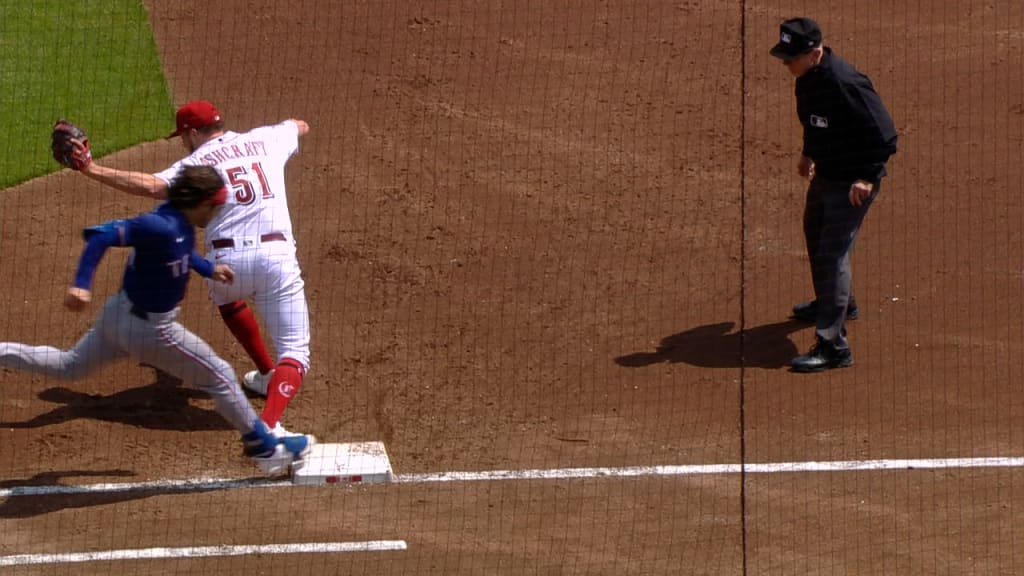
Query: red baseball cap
{"points": [[219, 197], [196, 114]]}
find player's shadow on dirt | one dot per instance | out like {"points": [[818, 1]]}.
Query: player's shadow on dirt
{"points": [[21, 505], [45, 493], [162, 405], [717, 346]]}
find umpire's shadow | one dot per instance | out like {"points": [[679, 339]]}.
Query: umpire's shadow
{"points": [[162, 405], [717, 346]]}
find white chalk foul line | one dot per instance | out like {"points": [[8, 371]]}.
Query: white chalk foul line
{"points": [[159, 486], [201, 484], [206, 484], [203, 552], [709, 469]]}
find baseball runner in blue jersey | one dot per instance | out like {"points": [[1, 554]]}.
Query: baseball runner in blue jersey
{"points": [[253, 233], [140, 321]]}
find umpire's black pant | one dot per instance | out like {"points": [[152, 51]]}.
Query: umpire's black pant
{"points": [[830, 229]]}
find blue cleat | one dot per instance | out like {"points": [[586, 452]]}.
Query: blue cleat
{"points": [[276, 455]]}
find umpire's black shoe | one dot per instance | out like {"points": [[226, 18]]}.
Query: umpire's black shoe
{"points": [[808, 311], [822, 357]]}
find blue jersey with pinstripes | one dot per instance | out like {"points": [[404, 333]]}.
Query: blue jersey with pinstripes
{"points": [[157, 273]]}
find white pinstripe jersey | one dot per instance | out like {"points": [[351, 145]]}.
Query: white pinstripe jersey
{"points": [[252, 165]]}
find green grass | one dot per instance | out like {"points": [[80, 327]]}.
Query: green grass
{"points": [[93, 62]]}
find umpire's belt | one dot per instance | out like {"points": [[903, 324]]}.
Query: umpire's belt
{"points": [[247, 242]]}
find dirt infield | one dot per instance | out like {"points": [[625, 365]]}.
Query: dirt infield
{"points": [[564, 236]]}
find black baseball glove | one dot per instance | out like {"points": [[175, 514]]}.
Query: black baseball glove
{"points": [[70, 145]]}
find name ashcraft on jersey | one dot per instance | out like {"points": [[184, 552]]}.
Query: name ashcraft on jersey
{"points": [[233, 152]]}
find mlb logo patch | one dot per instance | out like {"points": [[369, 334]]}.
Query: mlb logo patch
{"points": [[785, 38], [819, 121]]}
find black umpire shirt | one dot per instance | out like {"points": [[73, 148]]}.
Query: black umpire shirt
{"points": [[847, 130]]}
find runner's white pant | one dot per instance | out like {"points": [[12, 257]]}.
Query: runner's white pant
{"points": [[159, 341]]}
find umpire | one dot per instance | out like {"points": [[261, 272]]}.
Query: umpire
{"points": [[848, 138]]}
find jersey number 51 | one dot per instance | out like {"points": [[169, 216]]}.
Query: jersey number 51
{"points": [[242, 183]]}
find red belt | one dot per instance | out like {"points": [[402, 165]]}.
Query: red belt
{"points": [[229, 243]]}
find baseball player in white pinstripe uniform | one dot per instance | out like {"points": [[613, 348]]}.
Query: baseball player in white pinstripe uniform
{"points": [[252, 233]]}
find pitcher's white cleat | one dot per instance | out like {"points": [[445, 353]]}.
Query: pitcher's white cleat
{"points": [[257, 382]]}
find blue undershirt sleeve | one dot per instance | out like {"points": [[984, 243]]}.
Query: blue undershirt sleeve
{"points": [[201, 265], [98, 240]]}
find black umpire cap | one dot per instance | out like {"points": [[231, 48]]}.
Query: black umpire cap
{"points": [[796, 36]]}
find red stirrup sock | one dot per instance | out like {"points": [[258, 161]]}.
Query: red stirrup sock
{"points": [[283, 386], [242, 323]]}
